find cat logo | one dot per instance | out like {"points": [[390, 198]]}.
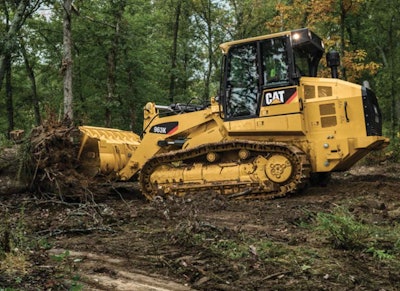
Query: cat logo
{"points": [[274, 97]]}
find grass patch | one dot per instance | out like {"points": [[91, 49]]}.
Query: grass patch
{"points": [[346, 232], [14, 244], [232, 248], [17, 262]]}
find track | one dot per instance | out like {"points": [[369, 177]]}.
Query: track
{"points": [[239, 169]]}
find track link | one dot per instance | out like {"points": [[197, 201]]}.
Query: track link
{"points": [[185, 159]]}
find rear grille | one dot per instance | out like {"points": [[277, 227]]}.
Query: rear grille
{"points": [[372, 113]]}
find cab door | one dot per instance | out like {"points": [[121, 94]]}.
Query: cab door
{"points": [[242, 87], [257, 83]]}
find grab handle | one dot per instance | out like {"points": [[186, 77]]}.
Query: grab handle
{"points": [[345, 111]]}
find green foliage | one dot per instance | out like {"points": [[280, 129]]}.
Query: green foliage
{"points": [[5, 142], [392, 153], [344, 231], [14, 244], [230, 249], [231, 246], [140, 33], [380, 254], [61, 257], [13, 234], [66, 268]]}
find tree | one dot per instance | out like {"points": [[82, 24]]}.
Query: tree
{"points": [[175, 29], [208, 34], [9, 44], [22, 10], [31, 75], [116, 11], [249, 17], [126, 53], [67, 60], [333, 21], [380, 30]]}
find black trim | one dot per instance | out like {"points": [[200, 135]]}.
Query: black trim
{"points": [[164, 128], [372, 113]]}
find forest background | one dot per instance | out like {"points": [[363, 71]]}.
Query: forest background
{"points": [[124, 53]]}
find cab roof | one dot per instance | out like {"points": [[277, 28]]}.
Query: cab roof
{"points": [[305, 36]]}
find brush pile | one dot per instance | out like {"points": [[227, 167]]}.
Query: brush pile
{"points": [[46, 164], [53, 148]]}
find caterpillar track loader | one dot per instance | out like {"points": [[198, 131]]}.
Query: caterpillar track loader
{"points": [[273, 126]]}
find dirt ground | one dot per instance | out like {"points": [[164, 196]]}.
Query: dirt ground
{"points": [[204, 242]]}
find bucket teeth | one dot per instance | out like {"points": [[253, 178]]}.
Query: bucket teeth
{"points": [[105, 150]]}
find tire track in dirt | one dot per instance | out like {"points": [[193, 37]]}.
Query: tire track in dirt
{"points": [[101, 272]]}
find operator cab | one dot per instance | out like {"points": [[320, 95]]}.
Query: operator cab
{"points": [[253, 68]]}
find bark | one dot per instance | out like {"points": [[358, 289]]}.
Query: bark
{"points": [[112, 64], [9, 39], [31, 75], [210, 52], [9, 99], [394, 114], [132, 90], [343, 13], [205, 13], [172, 82], [67, 61], [111, 77]]}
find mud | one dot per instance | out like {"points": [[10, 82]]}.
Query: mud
{"points": [[204, 242]]}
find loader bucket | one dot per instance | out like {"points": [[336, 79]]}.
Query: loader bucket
{"points": [[105, 150]]}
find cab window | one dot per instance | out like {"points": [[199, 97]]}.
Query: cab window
{"points": [[242, 85], [275, 62]]}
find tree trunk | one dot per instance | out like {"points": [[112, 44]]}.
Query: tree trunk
{"points": [[132, 90], [394, 117], [9, 40], [112, 63], [342, 38], [111, 78], [9, 98], [210, 52], [67, 61], [172, 82], [31, 75]]}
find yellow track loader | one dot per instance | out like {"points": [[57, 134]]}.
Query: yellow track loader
{"points": [[272, 127]]}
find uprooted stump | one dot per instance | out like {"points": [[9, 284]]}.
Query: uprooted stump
{"points": [[47, 164], [53, 147]]}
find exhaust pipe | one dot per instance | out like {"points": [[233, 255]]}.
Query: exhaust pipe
{"points": [[333, 62]]}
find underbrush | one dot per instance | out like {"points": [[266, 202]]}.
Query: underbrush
{"points": [[346, 232], [238, 255], [14, 244], [21, 251], [258, 258]]}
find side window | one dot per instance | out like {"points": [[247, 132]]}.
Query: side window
{"points": [[242, 81], [275, 62]]}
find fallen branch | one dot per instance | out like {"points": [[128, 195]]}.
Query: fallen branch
{"points": [[57, 232], [275, 275]]}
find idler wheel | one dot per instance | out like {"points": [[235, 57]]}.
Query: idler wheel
{"points": [[278, 168]]}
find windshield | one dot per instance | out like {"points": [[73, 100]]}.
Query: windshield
{"points": [[275, 64]]}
